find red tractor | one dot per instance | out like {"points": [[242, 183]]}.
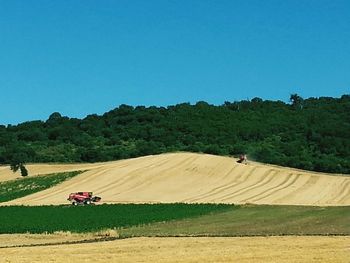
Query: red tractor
{"points": [[83, 198]]}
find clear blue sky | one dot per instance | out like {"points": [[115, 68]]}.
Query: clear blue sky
{"points": [[84, 57]]}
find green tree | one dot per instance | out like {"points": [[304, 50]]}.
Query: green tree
{"points": [[24, 171], [15, 166], [297, 101], [311, 133], [18, 164]]}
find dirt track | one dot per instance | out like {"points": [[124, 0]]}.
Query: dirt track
{"points": [[231, 249], [188, 177]]}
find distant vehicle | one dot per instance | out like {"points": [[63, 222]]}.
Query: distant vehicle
{"points": [[243, 159], [83, 198]]}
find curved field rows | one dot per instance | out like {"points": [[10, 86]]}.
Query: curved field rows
{"points": [[198, 178]]}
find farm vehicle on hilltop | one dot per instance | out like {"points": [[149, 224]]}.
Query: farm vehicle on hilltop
{"points": [[243, 159]]}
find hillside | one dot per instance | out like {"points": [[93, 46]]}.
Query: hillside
{"points": [[6, 173], [311, 134], [198, 178]]}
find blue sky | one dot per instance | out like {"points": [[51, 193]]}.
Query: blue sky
{"points": [[84, 57]]}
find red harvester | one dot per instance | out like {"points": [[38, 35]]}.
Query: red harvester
{"points": [[83, 198]]}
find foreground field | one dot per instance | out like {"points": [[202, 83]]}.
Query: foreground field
{"points": [[18, 219], [20, 240], [175, 233], [178, 220], [252, 221], [234, 249], [198, 178]]}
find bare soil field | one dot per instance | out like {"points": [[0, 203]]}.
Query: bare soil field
{"points": [[195, 178], [205, 249]]}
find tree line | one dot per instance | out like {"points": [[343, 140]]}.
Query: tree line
{"points": [[312, 134]]}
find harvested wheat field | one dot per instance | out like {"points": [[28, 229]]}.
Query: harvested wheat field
{"points": [[41, 169], [17, 240], [198, 178], [230, 249]]}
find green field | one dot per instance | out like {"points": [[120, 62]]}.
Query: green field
{"points": [[257, 220], [178, 219], [40, 219], [13, 189]]}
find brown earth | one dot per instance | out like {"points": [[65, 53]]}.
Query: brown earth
{"points": [[204, 249], [195, 178]]}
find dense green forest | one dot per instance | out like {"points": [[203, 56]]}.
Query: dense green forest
{"points": [[312, 134]]}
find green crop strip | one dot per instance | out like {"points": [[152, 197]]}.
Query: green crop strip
{"points": [[21, 187], [39, 219], [254, 220]]}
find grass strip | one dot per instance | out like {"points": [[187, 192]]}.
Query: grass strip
{"points": [[254, 220], [40, 219], [14, 189]]}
